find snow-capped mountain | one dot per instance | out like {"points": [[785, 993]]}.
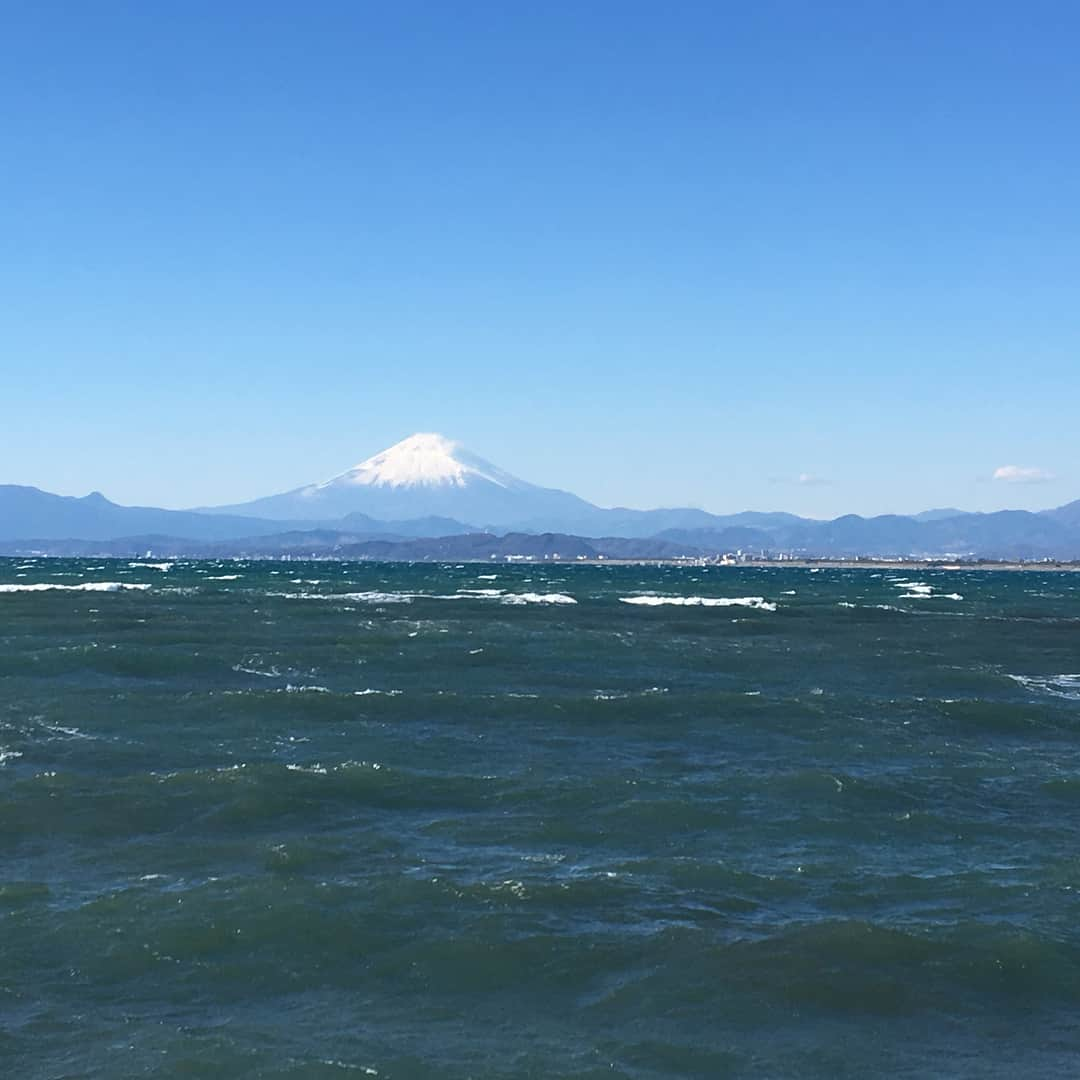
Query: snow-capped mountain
{"points": [[423, 475], [423, 460]]}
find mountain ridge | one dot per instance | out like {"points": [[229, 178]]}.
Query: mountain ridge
{"points": [[427, 487]]}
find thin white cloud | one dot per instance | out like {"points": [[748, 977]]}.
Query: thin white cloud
{"points": [[803, 479], [1022, 474]]}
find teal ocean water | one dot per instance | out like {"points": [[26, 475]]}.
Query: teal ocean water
{"points": [[327, 820]]}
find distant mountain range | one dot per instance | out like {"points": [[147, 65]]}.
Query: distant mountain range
{"points": [[427, 495], [421, 476]]}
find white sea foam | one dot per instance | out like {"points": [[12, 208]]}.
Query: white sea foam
{"points": [[928, 595], [86, 586], [163, 566], [621, 695], [8, 755], [224, 577], [273, 673], [375, 597], [371, 597], [1061, 686], [383, 693], [70, 732], [758, 602], [538, 598], [920, 590], [334, 1063]]}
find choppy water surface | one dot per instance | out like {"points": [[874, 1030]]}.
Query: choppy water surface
{"points": [[322, 820]]}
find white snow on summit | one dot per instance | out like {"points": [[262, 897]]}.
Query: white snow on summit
{"points": [[422, 460]]}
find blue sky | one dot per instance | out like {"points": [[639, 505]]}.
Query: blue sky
{"points": [[814, 257]]}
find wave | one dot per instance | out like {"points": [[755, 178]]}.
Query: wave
{"points": [[86, 586], [538, 598], [930, 596], [758, 602], [273, 673], [369, 597], [1061, 686], [622, 695], [376, 597]]}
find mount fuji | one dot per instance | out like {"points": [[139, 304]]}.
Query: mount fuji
{"points": [[427, 486], [422, 476]]}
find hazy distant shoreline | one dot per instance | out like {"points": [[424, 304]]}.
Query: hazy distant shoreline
{"points": [[912, 564], [689, 562]]}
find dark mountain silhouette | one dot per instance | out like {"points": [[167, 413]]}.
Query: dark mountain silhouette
{"points": [[28, 512]]}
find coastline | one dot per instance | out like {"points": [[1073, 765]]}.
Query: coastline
{"points": [[699, 562]]}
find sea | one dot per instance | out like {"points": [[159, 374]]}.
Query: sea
{"points": [[333, 820]]}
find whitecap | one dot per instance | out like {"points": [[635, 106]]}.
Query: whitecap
{"points": [[371, 597], [273, 673], [86, 586], [621, 695], [914, 588], [928, 595], [538, 598], [758, 602], [1061, 686], [70, 732], [384, 693], [162, 566]]}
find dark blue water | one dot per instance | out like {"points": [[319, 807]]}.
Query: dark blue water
{"points": [[331, 820]]}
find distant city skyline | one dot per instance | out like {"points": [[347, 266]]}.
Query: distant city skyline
{"points": [[780, 258]]}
